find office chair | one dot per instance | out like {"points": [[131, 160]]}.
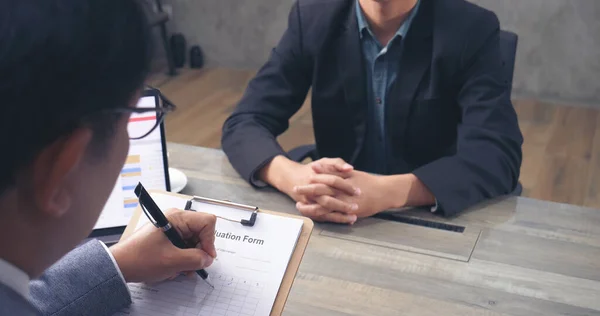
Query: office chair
{"points": [[508, 47]]}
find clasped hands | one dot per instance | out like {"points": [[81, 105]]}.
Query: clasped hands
{"points": [[332, 191], [327, 190]]}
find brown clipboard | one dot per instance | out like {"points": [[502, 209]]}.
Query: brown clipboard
{"points": [[293, 265]]}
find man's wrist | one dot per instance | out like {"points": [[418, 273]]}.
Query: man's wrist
{"points": [[392, 188], [115, 262], [120, 259], [274, 173], [405, 190]]}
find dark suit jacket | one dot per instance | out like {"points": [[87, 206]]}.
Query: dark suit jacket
{"points": [[449, 118]]}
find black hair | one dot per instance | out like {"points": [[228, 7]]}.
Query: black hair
{"points": [[62, 64]]}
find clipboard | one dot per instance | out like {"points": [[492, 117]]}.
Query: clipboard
{"points": [[295, 259]]}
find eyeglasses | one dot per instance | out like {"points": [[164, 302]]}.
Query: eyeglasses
{"points": [[148, 114]]}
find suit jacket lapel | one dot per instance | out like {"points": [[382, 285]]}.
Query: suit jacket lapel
{"points": [[352, 73], [415, 60]]}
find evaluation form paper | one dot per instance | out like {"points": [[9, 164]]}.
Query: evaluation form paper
{"points": [[247, 273]]}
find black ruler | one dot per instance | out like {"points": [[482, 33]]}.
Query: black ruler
{"points": [[420, 222]]}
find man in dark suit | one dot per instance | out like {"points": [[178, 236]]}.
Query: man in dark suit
{"points": [[411, 93]]}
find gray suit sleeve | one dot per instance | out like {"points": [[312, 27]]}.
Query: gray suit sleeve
{"points": [[84, 282]]}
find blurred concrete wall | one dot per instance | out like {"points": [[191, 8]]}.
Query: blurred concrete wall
{"points": [[559, 40]]}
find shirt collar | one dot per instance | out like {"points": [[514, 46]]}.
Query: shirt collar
{"points": [[402, 31], [14, 278]]}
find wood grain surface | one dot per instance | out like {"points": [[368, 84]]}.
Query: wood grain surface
{"points": [[531, 257]]}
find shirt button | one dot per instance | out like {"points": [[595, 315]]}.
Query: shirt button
{"points": [[378, 101]]}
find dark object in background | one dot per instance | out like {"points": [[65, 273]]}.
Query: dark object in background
{"points": [[160, 19], [178, 48], [196, 57]]}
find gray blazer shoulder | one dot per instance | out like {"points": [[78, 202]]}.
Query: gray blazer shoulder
{"points": [[84, 282]]}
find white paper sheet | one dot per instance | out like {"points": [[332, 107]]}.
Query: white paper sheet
{"points": [[250, 265]]}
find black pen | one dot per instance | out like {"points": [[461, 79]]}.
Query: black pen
{"points": [[158, 219]]}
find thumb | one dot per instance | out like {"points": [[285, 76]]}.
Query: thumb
{"points": [[191, 259], [333, 169], [345, 167], [317, 167]]}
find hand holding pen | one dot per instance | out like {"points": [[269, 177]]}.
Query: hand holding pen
{"points": [[148, 256]]}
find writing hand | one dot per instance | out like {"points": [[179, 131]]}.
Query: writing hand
{"points": [[149, 256]]}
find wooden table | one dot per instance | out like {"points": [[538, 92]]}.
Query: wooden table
{"points": [[516, 256]]}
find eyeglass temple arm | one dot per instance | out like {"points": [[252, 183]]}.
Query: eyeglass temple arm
{"points": [[162, 96], [166, 100]]}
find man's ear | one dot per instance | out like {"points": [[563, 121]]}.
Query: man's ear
{"points": [[52, 170]]}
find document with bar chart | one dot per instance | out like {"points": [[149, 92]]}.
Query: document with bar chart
{"points": [[144, 163]]}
